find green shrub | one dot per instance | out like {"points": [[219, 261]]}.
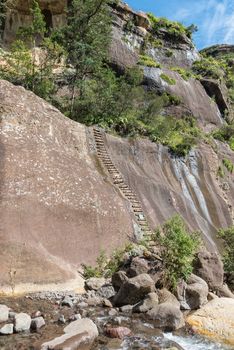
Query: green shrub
{"points": [[148, 62], [105, 266], [175, 29], [227, 236], [228, 165], [174, 99], [185, 74], [179, 247], [209, 67], [167, 79]]}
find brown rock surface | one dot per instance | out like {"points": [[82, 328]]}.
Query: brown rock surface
{"points": [[59, 207]]}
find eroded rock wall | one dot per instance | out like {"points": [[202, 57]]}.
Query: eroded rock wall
{"points": [[59, 207]]}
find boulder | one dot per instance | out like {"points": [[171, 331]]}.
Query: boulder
{"points": [[4, 313], [94, 283], [209, 267], [37, 323], [192, 294], [107, 291], [166, 316], [22, 322], [196, 292], [215, 320], [224, 291], [7, 329], [77, 334], [118, 332], [118, 279], [137, 267], [150, 301], [164, 296], [134, 290]]}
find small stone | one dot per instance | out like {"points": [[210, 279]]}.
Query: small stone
{"points": [[12, 315], [82, 305], [75, 317], [37, 323], [61, 319], [112, 312], [67, 301], [4, 313], [118, 332], [22, 322], [107, 303], [126, 308], [7, 329]]}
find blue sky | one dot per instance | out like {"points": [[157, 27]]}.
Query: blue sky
{"points": [[214, 18]]}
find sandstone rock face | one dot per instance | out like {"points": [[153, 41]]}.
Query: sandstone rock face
{"points": [[59, 206], [19, 15], [215, 320], [77, 334], [134, 290]]}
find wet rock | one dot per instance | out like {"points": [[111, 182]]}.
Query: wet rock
{"points": [[137, 267], [22, 322], [118, 332], [150, 301], [77, 334], [94, 283], [215, 320], [209, 267], [4, 313], [134, 290], [7, 329], [167, 316], [67, 301], [37, 323], [118, 279]]}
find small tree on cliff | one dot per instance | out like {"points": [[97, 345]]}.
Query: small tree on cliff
{"points": [[86, 38]]}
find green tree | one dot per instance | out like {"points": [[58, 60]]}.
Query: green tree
{"points": [[179, 247], [85, 38]]}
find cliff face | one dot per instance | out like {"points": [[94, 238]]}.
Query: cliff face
{"points": [[59, 205]]}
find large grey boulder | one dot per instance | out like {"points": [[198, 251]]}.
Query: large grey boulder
{"points": [[4, 313], [77, 334], [22, 322], [150, 301], [137, 267], [134, 290], [165, 296], [118, 279], [193, 294], [209, 267], [166, 316]]}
